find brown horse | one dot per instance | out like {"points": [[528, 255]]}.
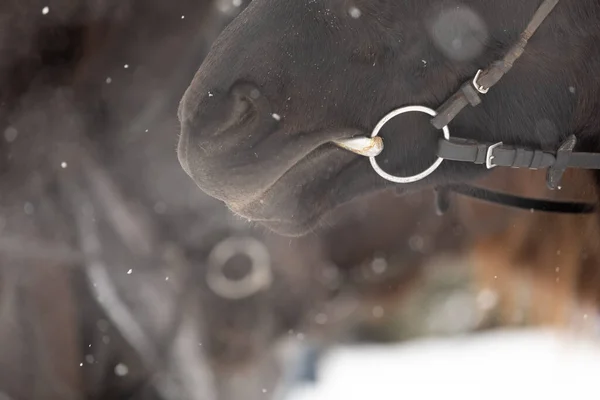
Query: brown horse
{"points": [[288, 77]]}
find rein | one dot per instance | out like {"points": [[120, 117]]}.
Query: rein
{"points": [[490, 154]]}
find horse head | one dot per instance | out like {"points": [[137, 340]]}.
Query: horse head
{"points": [[288, 78]]}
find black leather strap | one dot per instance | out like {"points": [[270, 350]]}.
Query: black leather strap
{"points": [[502, 156], [491, 75], [505, 199], [516, 157], [497, 154]]}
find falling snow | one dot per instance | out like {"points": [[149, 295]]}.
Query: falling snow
{"points": [[129, 272], [45, 10], [10, 134], [460, 33], [416, 243], [160, 207], [321, 319], [102, 325], [63, 164], [276, 117], [121, 369], [354, 12], [28, 208], [379, 265], [487, 299], [378, 311]]}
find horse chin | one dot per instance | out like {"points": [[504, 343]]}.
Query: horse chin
{"points": [[294, 228], [298, 213], [280, 221]]}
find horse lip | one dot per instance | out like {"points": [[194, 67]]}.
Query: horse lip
{"points": [[241, 211], [182, 152]]}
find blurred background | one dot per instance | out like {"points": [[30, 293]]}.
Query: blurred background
{"points": [[120, 279]]}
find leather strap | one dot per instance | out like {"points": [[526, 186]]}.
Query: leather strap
{"points": [[508, 156], [516, 157], [490, 76], [505, 199]]}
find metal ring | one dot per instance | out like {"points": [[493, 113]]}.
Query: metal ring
{"points": [[258, 278], [385, 120]]}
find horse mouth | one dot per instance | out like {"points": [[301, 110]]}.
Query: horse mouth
{"points": [[293, 207], [283, 182], [295, 227]]}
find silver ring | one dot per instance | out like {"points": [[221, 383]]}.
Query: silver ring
{"points": [[385, 120], [258, 278]]}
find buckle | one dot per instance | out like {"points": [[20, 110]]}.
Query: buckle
{"points": [[489, 155], [477, 86]]}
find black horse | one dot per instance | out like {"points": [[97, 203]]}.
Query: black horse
{"points": [[287, 78]]}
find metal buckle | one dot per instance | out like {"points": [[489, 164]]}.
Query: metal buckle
{"points": [[477, 86], [489, 155]]}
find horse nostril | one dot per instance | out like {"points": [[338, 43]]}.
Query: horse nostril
{"points": [[243, 109], [245, 89], [248, 102], [240, 114]]}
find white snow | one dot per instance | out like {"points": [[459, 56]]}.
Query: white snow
{"points": [[10, 134], [121, 369], [526, 364], [378, 311], [354, 12]]}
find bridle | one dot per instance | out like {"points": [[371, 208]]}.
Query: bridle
{"points": [[489, 154]]}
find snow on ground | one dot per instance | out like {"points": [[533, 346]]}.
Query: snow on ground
{"points": [[525, 364]]}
